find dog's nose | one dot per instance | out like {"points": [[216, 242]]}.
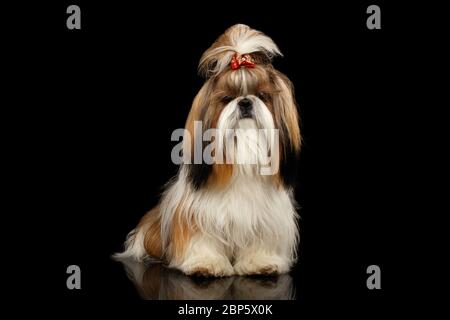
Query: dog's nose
{"points": [[245, 105]]}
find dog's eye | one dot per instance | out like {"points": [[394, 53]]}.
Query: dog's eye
{"points": [[226, 99], [263, 96]]}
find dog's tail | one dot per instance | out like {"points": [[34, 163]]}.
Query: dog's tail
{"points": [[134, 246], [144, 242]]}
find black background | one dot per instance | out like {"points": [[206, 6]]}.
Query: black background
{"points": [[106, 98]]}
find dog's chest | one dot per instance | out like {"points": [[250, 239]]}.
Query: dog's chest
{"points": [[246, 206]]}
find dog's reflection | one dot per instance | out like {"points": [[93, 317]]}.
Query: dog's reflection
{"points": [[155, 281]]}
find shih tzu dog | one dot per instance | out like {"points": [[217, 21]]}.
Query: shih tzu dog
{"points": [[233, 214]]}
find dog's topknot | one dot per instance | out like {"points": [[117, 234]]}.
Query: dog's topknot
{"points": [[240, 39]]}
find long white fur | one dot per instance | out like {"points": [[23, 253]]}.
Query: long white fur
{"points": [[251, 212], [134, 246], [252, 223], [252, 143]]}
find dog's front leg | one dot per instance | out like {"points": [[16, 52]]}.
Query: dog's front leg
{"points": [[261, 259], [203, 256]]}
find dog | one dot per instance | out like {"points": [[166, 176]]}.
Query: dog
{"points": [[222, 218]]}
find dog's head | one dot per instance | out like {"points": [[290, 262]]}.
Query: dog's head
{"points": [[244, 91]]}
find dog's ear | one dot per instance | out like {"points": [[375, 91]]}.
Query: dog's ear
{"points": [[198, 174], [287, 121]]}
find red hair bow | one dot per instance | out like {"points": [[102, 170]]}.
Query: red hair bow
{"points": [[242, 60]]}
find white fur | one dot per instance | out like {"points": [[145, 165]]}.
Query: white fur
{"points": [[249, 213], [249, 226], [134, 246], [244, 40], [253, 136], [251, 222], [206, 252]]}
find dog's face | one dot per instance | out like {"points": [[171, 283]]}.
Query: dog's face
{"points": [[243, 96], [244, 91]]}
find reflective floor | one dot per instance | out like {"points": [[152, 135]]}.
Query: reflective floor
{"points": [[155, 281]]}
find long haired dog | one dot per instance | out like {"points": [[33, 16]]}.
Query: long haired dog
{"points": [[219, 218]]}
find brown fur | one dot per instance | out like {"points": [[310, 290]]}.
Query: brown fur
{"points": [[198, 105], [277, 92], [152, 240], [221, 175], [263, 81], [181, 231]]}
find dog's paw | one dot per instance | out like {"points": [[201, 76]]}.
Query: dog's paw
{"points": [[208, 267], [260, 265], [243, 269]]}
